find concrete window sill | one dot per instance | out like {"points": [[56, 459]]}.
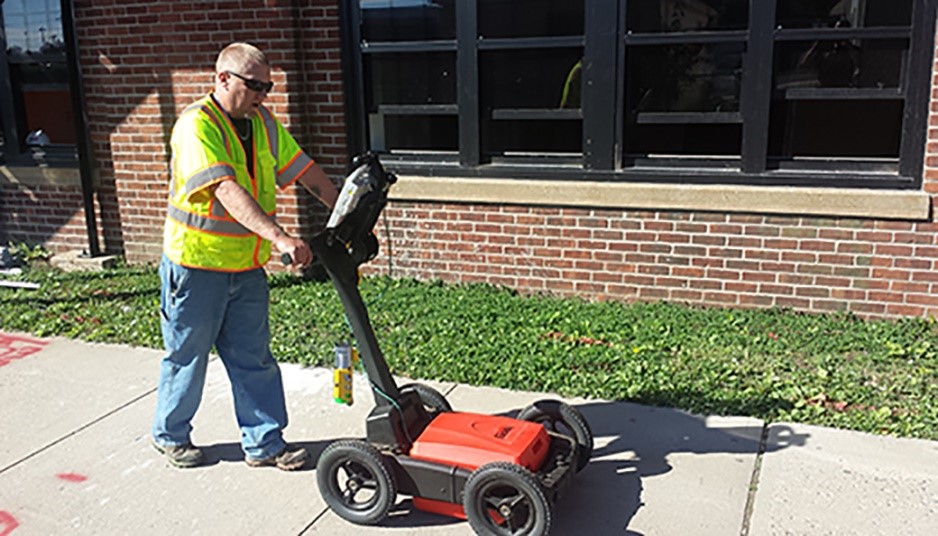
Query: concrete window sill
{"points": [[795, 201], [40, 176]]}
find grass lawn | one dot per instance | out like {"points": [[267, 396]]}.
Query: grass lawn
{"points": [[832, 370]]}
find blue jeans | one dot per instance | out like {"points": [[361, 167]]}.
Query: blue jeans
{"points": [[200, 309]]}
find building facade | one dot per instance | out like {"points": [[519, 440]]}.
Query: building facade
{"points": [[743, 153]]}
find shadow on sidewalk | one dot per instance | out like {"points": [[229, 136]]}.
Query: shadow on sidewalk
{"points": [[633, 443], [232, 453]]}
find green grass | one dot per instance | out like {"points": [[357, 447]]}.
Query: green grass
{"points": [[832, 370]]}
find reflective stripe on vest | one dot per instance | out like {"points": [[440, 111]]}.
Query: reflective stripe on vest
{"points": [[207, 176], [297, 166], [209, 225], [291, 171], [217, 210], [271, 127]]}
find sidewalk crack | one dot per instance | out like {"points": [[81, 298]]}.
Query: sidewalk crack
{"points": [[754, 481], [78, 430], [309, 527]]}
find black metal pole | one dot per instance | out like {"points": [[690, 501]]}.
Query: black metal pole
{"points": [[344, 274], [917, 87], [83, 139], [755, 98], [356, 141], [11, 136]]}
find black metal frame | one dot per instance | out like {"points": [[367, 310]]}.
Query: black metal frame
{"points": [[60, 155], [467, 84], [84, 146], [7, 113], [756, 89], [606, 43]]}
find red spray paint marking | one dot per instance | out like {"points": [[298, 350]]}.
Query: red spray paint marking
{"points": [[13, 348], [8, 523], [71, 477]]}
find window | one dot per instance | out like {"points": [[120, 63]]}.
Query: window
{"points": [[35, 99], [409, 65], [839, 72], [795, 92], [683, 79], [530, 71]]}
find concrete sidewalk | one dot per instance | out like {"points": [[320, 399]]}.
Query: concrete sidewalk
{"points": [[75, 458]]}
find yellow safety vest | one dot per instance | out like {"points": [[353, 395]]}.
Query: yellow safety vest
{"points": [[199, 232]]}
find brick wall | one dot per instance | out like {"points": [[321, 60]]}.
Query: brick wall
{"points": [[44, 214], [145, 61], [872, 268]]}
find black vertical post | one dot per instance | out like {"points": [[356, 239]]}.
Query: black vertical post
{"points": [[11, 137], [917, 88], [756, 90], [355, 113], [599, 84], [467, 82], [621, 77], [83, 137]]}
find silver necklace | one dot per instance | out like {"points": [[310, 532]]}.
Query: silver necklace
{"points": [[244, 137]]}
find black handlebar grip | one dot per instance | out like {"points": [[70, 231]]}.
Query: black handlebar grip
{"points": [[286, 259]]}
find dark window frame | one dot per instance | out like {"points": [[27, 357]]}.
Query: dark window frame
{"points": [[61, 155], [604, 42]]}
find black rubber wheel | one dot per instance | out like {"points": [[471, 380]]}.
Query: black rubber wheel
{"points": [[564, 419], [501, 498], [355, 482], [432, 399]]}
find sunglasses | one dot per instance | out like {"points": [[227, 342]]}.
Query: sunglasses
{"points": [[254, 85]]}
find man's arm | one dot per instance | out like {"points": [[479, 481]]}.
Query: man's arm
{"points": [[248, 213], [315, 181]]}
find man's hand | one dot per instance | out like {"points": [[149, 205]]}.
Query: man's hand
{"points": [[298, 250]]}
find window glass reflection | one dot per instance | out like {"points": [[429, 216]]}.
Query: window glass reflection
{"points": [[835, 128], [654, 16], [38, 72], [408, 20], [410, 78], [685, 78], [845, 63], [683, 140], [33, 27], [530, 18], [414, 133], [843, 13], [512, 138], [543, 78]]}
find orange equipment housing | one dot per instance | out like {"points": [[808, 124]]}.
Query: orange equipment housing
{"points": [[470, 440]]}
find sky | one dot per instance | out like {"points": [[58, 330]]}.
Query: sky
{"points": [[29, 22]]}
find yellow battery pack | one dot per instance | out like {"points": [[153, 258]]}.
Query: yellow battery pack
{"points": [[342, 386], [346, 356]]}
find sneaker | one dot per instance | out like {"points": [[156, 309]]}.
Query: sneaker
{"points": [[180, 455], [289, 459]]}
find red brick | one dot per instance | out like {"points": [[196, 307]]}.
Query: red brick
{"points": [[923, 299], [830, 305], [904, 310]]}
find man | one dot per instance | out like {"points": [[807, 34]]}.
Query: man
{"points": [[228, 156]]}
